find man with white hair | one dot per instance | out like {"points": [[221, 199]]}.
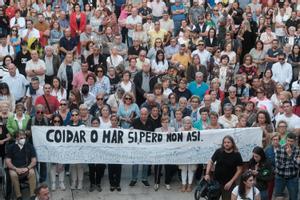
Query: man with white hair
{"points": [[52, 63], [228, 120], [198, 87]]}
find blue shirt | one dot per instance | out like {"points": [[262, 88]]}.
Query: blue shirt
{"points": [[178, 17], [198, 90]]}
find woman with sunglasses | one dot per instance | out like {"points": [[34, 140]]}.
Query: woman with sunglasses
{"points": [[57, 168], [64, 111], [76, 169], [158, 45], [14, 40], [246, 188], [128, 110], [103, 80], [96, 171]]}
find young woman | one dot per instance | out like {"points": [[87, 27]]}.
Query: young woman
{"points": [[96, 171], [263, 120], [228, 50], [57, 168], [258, 54], [104, 118], [248, 68], [262, 171], [228, 166], [55, 35], [268, 84], [14, 40], [126, 82], [246, 188], [214, 124], [194, 67], [158, 45], [294, 60], [114, 170], [187, 171], [58, 90], [159, 64]]}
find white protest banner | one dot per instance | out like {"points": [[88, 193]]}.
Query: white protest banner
{"points": [[129, 146]]}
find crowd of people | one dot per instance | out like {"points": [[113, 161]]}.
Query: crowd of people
{"points": [[154, 65]]}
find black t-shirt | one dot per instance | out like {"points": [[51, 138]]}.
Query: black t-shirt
{"points": [[186, 93], [226, 165], [21, 157]]}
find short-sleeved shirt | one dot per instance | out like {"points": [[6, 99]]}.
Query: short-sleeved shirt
{"points": [[249, 196], [21, 157], [67, 44], [226, 165]]}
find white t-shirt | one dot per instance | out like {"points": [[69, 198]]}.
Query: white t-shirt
{"points": [[292, 122], [249, 196], [133, 21], [31, 65]]}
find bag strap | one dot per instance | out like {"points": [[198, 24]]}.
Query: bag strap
{"points": [[47, 104]]}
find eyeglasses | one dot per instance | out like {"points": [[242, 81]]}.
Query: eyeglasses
{"points": [[280, 58], [282, 126], [128, 98], [158, 42], [39, 112], [99, 71], [143, 55], [56, 121], [98, 99], [13, 30], [74, 115], [201, 44], [194, 101]]}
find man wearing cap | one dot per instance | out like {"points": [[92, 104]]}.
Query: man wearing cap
{"points": [[178, 14], [166, 22], [195, 12], [203, 54]]}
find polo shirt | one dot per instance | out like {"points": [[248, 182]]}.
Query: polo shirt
{"points": [[198, 90], [21, 157]]}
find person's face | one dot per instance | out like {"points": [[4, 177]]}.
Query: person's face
{"points": [[227, 112], [39, 113], [75, 116], [178, 115], [11, 70], [268, 73], [49, 52], [134, 12], [95, 123], [238, 111], [128, 100], [19, 111], [105, 112], [194, 103], [47, 89], [287, 108], [155, 112], [35, 84], [201, 46], [69, 58], [182, 84], [172, 99], [213, 119], [281, 59], [274, 44], [204, 116], [199, 78], [275, 141], [296, 49], [256, 157], [90, 81], [126, 77], [227, 144], [29, 24], [77, 8], [282, 128], [118, 40], [41, 18], [181, 50], [144, 115], [165, 123], [146, 68], [188, 125], [84, 67], [83, 111], [243, 122], [224, 61], [63, 105], [34, 55], [290, 142], [250, 182], [232, 93], [114, 122], [261, 118], [56, 121], [100, 99]]}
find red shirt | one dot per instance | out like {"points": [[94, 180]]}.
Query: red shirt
{"points": [[52, 102]]}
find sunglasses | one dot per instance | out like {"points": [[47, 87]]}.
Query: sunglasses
{"points": [[13, 30], [63, 104], [127, 98], [201, 44], [39, 112], [74, 115], [98, 99], [99, 71], [56, 121]]}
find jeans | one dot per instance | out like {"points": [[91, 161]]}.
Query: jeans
{"points": [[290, 183], [177, 25], [135, 171], [264, 195]]}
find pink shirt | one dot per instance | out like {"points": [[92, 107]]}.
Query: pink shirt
{"points": [[78, 80]]}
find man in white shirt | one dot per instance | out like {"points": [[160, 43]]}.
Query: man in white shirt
{"points": [[131, 22], [166, 23], [158, 7], [203, 54], [36, 67], [292, 120], [18, 21], [16, 82], [5, 49], [30, 32], [282, 71]]}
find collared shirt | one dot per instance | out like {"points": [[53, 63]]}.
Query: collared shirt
{"points": [[18, 89], [282, 73], [19, 121], [146, 81], [287, 166]]}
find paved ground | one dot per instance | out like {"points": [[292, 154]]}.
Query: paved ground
{"points": [[139, 192]]}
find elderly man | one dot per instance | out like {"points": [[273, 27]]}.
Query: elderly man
{"points": [[21, 161], [18, 88], [198, 87], [228, 120], [52, 63]]}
